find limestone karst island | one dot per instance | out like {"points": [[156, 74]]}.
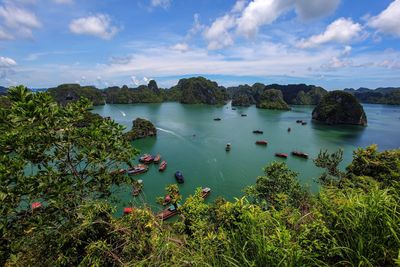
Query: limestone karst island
{"points": [[245, 133]]}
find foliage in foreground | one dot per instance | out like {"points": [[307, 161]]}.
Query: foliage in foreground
{"points": [[353, 221]]}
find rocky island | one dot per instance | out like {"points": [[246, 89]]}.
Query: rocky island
{"points": [[272, 99], [339, 107], [141, 128], [66, 93]]}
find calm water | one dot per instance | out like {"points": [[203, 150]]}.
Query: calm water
{"points": [[204, 162]]}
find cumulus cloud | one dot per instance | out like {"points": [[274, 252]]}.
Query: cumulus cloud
{"points": [[160, 3], [218, 35], [388, 21], [182, 47], [98, 25], [311, 9], [342, 31], [6, 65]]}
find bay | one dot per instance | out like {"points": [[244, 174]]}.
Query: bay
{"points": [[192, 142]]}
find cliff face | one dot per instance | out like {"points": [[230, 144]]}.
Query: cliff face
{"points": [[339, 107], [66, 93], [272, 99], [200, 90], [141, 128]]}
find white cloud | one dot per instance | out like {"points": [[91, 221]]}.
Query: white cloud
{"points": [[182, 47], [218, 35], [98, 25], [342, 31], [63, 1], [311, 9], [5, 36], [239, 6], [160, 3], [6, 62], [388, 21]]}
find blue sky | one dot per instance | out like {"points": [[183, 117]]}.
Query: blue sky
{"points": [[331, 43]]}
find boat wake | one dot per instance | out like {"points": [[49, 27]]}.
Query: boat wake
{"points": [[123, 113], [170, 132]]}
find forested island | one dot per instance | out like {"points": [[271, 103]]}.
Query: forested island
{"points": [[60, 214], [383, 95]]}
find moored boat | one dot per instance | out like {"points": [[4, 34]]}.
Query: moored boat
{"points": [[163, 166], [300, 154], [299, 121], [138, 169], [167, 213], [179, 177], [120, 171], [262, 142], [243, 115], [217, 119], [289, 129], [157, 159], [228, 147], [281, 155], [146, 158], [258, 132], [128, 210], [303, 123], [205, 192]]}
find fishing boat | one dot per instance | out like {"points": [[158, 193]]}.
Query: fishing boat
{"points": [[179, 177], [228, 147], [289, 129], [120, 171], [281, 155], [300, 154], [168, 212], [157, 159], [258, 132], [303, 123], [299, 121], [138, 169], [217, 119], [163, 166], [205, 192], [243, 115], [137, 188], [262, 142], [146, 158]]}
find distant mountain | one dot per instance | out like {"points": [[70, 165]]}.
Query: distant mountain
{"points": [[381, 95], [66, 93], [3, 90]]}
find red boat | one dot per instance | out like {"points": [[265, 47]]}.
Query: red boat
{"points": [[163, 166], [300, 154], [146, 158], [128, 210], [262, 142], [138, 169], [281, 155], [157, 159]]}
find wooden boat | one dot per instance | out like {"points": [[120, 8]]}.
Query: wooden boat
{"points": [[128, 210], [299, 121], [300, 154], [120, 171], [205, 192], [243, 115], [258, 132], [179, 177], [157, 159], [167, 213], [262, 142], [303, 123], [228, 147], [137, 188], [138, 169], [281, 155], [217, 119], [163, 166], [146, 158]]}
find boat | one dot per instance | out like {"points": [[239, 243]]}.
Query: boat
{"points": [[299, 121], [281, 155], [228, 147], [138, 169], [243, 115], [137, 188], [205, 192], [120, 171], [289, 129], [233, 108], [217, 119], [146, 158], [167, 213], [36, 205], [300, 154], [258, 132], [163, 166], [303, 123], [157, 159], [128, 210], [262, 142], [179, 177]]}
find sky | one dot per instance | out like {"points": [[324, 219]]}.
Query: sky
{"points": [[335, 44]]}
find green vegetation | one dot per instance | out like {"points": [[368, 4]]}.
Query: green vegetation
{"points": [[272, 99], [44, 156], [142, 94], [387, 95], [141, 128], [339, 107], [67, 93]]}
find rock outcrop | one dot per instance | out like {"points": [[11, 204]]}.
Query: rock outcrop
{"points": [[66, 93], [339, 107], [141, 128], [272, 99]]}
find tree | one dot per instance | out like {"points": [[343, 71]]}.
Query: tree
{"points": [[330, 162], [173, 191], [46, 157]]}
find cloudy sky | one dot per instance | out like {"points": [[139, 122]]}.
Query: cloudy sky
{"points": [[332, 43]]}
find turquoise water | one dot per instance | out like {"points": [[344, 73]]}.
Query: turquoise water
{"points": [[192, 142]]}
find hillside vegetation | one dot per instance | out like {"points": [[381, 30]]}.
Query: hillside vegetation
{"points": [[354, 220]]}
